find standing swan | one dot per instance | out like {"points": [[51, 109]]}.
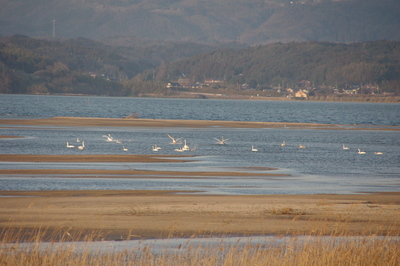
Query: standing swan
{"points": [[82, 146]]}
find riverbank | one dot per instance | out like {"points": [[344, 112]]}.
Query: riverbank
{"points": [[261, 96], [113, 215]]}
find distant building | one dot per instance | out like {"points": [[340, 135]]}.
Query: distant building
{"points": [[213, 81], [370, 89], [301, 94], [185, 82], [350, 91], [173, 85]]}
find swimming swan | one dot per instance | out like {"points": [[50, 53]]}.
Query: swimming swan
{"points": [[253, 149], [70, 146], [185, 147], [82, 146], [361, 152]]}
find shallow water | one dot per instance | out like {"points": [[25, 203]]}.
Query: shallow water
{"points": [[323, 167], [35, 106], [206, 245]]}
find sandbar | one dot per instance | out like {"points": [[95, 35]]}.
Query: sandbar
{"points": [[121, 215], [166, 123]]}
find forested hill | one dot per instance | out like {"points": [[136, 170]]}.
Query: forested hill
{"points": [[31, 65], [275, 64], [244, 21]]}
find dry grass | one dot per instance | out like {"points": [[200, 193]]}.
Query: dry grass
{"points": [[287, 211], [321, 250]]}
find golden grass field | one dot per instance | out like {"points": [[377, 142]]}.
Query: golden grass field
{"points": [[37, 216]]}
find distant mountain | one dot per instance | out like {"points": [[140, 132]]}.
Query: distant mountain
{"points": [[203, 21]]}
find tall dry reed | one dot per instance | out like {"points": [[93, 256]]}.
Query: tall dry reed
{"points": [[338, 248]]}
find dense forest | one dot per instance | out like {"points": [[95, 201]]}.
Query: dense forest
{"points": [[341, 65]]}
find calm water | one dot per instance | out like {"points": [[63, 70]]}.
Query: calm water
{"points": [[28, 107], [323, 167]]}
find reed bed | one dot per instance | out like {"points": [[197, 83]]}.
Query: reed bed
{"points": [[317, 249]]}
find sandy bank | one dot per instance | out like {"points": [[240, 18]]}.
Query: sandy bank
{"points": [[121, 173], [149, 214], [121, 122]]}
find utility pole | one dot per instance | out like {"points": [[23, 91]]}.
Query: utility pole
{"points": [[54, 28]]}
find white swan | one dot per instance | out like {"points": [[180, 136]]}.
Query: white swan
{"points": [[378, 152], [185, 147], [221, 141], [109, 138], [82, 146], [344, 147], [124, 149], [179, 149], [70, 146], [302, 147], [253, 149], [283, 143], [155, 148], [174, 140], [78, 140], [361, 152]]}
